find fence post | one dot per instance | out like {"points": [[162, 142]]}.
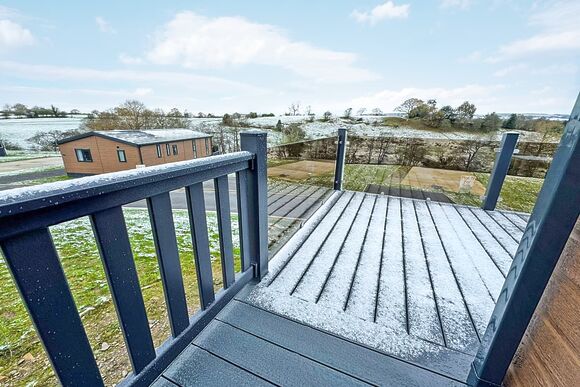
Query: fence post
{"points": [[340, 156], [254, 141], [500, 169]]}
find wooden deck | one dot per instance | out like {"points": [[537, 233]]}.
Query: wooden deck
{"points": [[372, 290]]}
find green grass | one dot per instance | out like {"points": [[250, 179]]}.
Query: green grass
{"points": [[43, 180], [356, 176], [22, 359], [518, 193]]}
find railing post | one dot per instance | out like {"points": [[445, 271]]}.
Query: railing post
{"points": [[551, 222], [500, 169], [340, 156], [257, 201]]}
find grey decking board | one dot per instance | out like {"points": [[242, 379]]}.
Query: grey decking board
{"points": [[297, 265], [359, 361], [505, 223], [197, 367], [488, 271], [277, 205], [456, 322], [266, 359], [423, 313], [391, 308], [508, 241], [162, 382], [318, 268], [515, 219], [363, 295], [338, 283], [497, 251], [293, 202], [472, 286]]}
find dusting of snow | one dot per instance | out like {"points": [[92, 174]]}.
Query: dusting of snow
{"points": [[366, 260], [151, 136], [90, 182]]}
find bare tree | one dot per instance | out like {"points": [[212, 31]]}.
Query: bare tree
{"points": [[361, 111], [294, 108]]}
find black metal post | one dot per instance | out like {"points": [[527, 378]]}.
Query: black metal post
{"points": [[340, 156], [546, 234], [500, 170], [257, 201]]}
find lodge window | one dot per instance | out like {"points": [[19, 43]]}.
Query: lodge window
{"points": [[121, 155], [194, 149], [207, 146], [159, 151], [84, 155], [174, 148], [167, 149]]}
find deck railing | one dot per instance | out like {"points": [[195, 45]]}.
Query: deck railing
{"points": [[27, 245]]}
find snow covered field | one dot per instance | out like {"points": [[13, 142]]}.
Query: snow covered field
{"points": [[19, 130]]}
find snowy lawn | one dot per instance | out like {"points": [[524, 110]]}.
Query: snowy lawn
{"points": [[22, 359]]}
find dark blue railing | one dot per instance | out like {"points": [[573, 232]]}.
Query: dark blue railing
{"points": [[26, 214]]}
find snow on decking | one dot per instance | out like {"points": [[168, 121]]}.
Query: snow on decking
{"points": [[404, 276]]}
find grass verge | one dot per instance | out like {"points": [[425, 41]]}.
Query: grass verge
{"points": [[22, 358]]}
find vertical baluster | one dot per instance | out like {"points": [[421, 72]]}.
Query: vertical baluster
{"points": [[257, 201], [35, 267], [197, 219], [222, 199], [242, 196], [113, 243], [340, 157], [161, 217]]}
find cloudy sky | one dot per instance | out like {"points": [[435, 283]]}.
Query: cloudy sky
{"points": [[219, 56]]}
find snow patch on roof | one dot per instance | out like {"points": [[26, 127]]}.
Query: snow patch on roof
{"points": [[152, 136]]}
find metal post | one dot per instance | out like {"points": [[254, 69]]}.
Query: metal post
{"points": [[340, 156], [257, 201], [500, 170], [549, 227]]}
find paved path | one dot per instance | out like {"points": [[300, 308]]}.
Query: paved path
{"points": [[9, 179], [45, 162]]}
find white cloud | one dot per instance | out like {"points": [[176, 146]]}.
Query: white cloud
{"points": [[14, 35], [558, 28], [461, 4], [29, 71], [130, 60], [387, 10], [509, 70], [104, 26], [199, 42]]}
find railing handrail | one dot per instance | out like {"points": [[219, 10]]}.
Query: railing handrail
{"points": [[26, 215], [25, 209], [31, 198]]}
